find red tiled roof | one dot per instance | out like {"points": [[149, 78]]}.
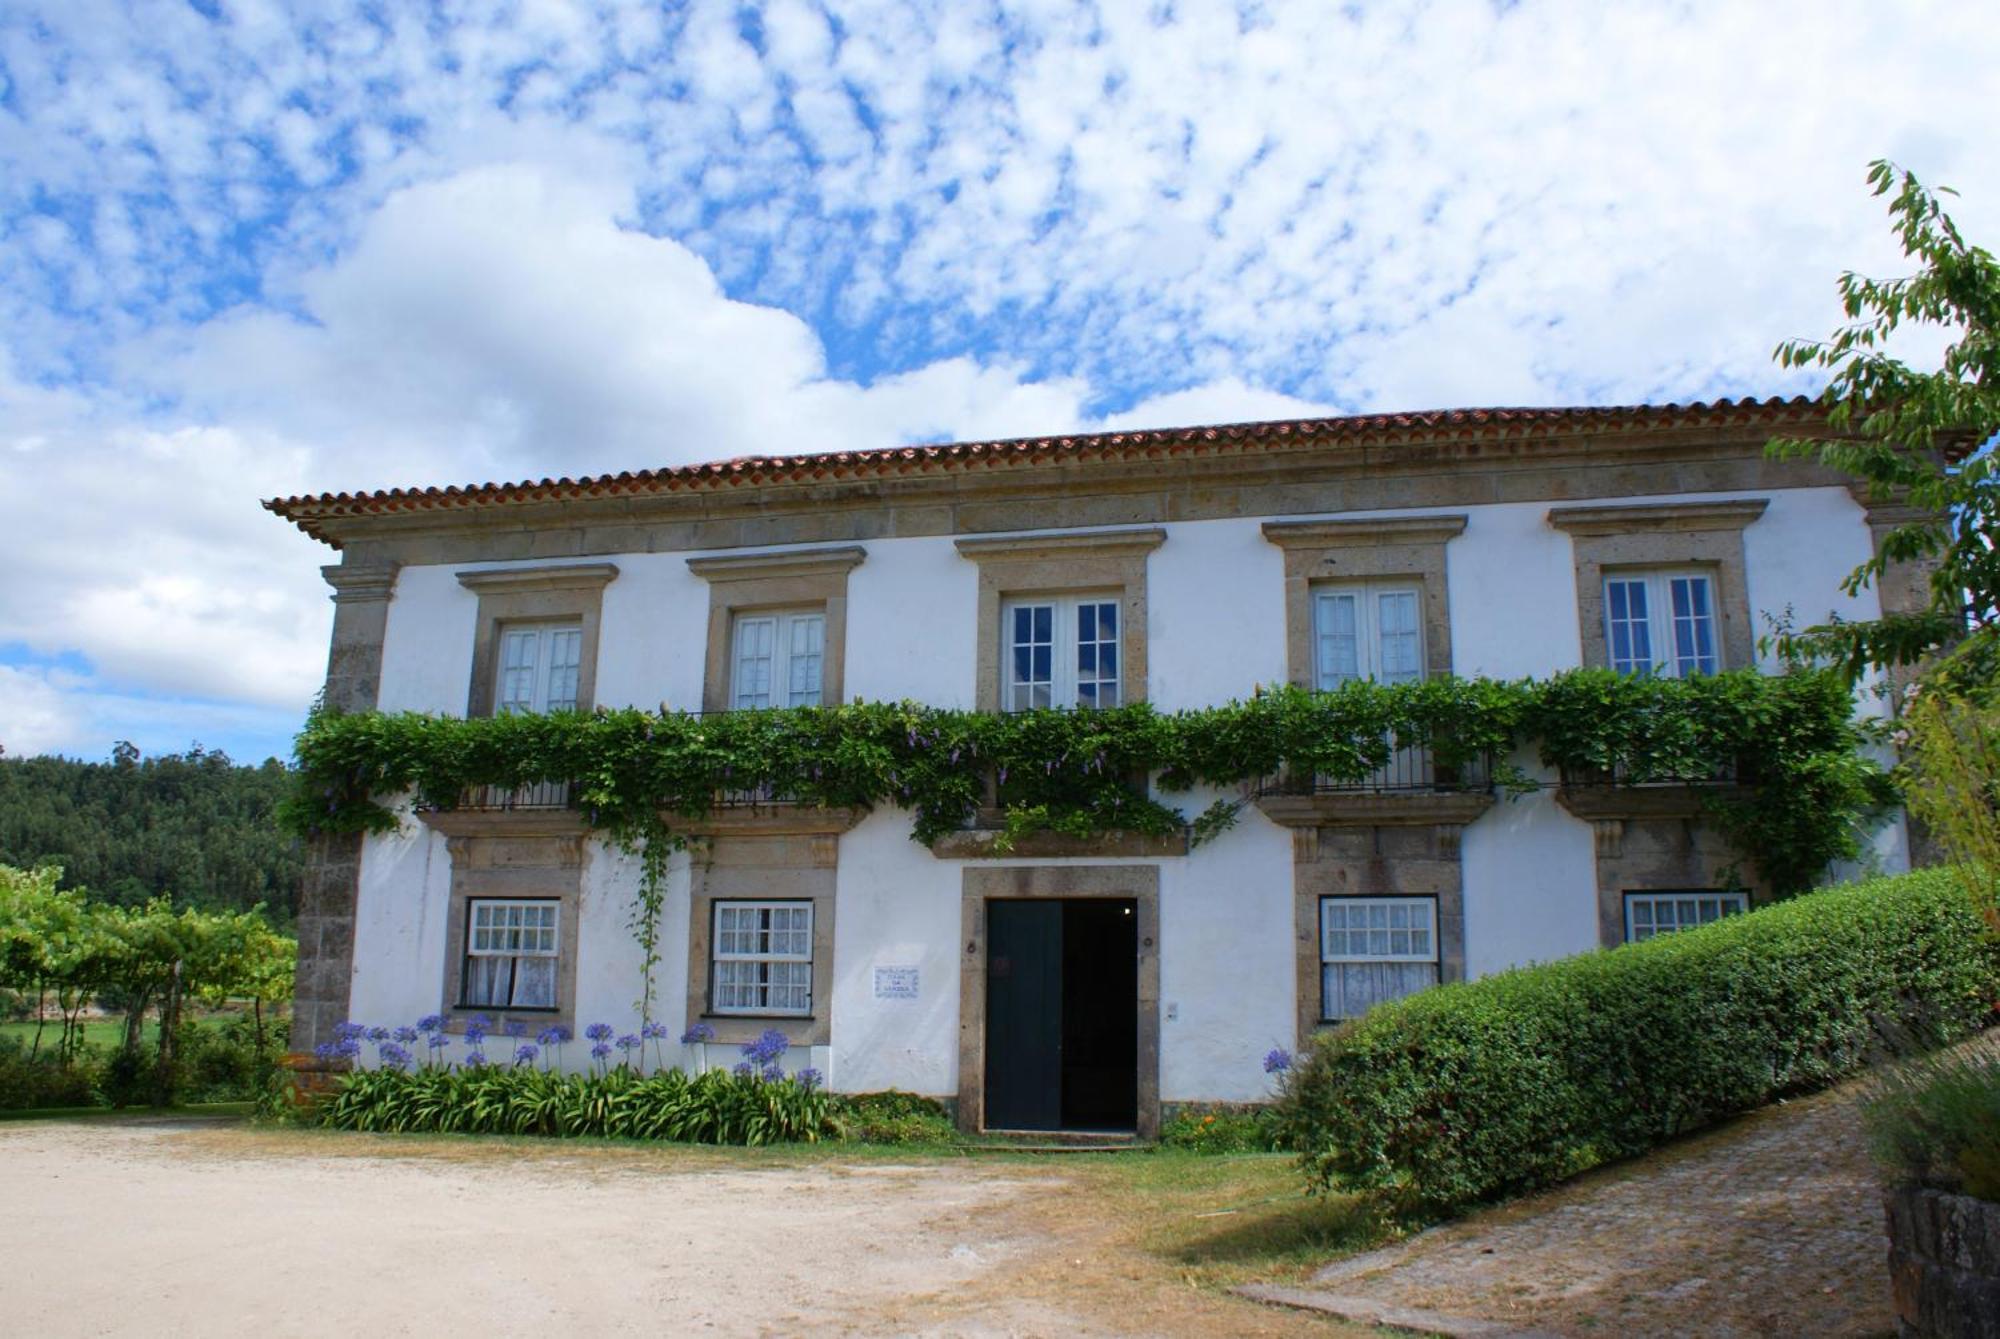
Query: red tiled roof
{"points": [[311, 511]]}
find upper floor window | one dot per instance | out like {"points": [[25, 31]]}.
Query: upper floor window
{"points": [[1367, 631], [1061, 651], [779, 660], [540, 667], [1661, 621]]}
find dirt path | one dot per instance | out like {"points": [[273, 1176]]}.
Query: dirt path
{"points": [[171, 1228], [1769, 1226]]}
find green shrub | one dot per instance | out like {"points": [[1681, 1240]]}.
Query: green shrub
{"points": [[41, 1081], [892, 1117], [1936, 1123], [1474, 1091], [719, 1107], [1222, 1129]]}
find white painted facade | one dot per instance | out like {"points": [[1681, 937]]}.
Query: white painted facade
{"points": [[1228, 954]]}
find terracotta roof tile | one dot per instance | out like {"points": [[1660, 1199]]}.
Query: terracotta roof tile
{"points": [[310, 512]]}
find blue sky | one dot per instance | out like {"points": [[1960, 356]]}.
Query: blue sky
{"points": [[258, 249]]}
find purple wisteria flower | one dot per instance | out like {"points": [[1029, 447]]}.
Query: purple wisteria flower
{"points": [[430, 1022], [378, 1034], [767, 1048], [809, 1078], [406, 1035], [515, 1029], [600, 1051], [474, 1059], [700, 1032], [598, 1032], [525, 1053], [554, 1036], [1277, 1060], [743, 1069], [393, 1056]]}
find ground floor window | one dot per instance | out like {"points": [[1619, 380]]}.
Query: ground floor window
{"points": [[1649, 914], [510, 954], [763, 958], [1374, 949]]}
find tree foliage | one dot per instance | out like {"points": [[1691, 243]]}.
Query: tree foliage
{"points": [[193, 826], [1919, 436]]}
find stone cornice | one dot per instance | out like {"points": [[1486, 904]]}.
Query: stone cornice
{"points": [[1095, 544], [1602, 803], [763, 820], [556, 576], [985, 844], [1366, 531], [1626, 519], [358, 583], [834, 561]]}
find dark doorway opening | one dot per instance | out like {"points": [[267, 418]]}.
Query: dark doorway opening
{"points": [[1062, 1036]]}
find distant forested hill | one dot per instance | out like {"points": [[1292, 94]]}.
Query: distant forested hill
{"points": [[195, 825]]}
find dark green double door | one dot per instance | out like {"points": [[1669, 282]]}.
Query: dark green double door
{"points": [[1062, 1034]]}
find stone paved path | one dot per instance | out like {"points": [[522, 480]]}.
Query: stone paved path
{"points": [[1771, 1225]]}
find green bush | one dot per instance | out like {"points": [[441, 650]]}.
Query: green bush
{"points": [[1222, 1129], [892, 1117], [42, 1081], [1475, 1091], [719, 1107], [1936, 1123]]}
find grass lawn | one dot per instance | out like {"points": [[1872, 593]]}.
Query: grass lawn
{"points": [[106, 1032]]}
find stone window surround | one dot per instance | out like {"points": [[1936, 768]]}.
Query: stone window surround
{"points": [[1317, 986], [1138, 883], [1057, 564], [1369, 549], [1655, 838], [776, 866], [570, 592], [1704, 535], [511, 857], [760, 582]]}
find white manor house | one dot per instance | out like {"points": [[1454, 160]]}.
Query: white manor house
{"points": [[1063, 982]]}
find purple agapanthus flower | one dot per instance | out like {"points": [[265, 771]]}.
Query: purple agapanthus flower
{"points": [[327, 1050], [809, 1078], [773, 1072], [437, 1041], [378, 1034], [743, 1069], [482, 1022], [349, 1032], [474, 1059], [767, 1048], [700, 1032], [525, 1053], [630, 1042], [652, 1031], [554, 1036], [1277, 1060], [599, 1031], [393, 1056], [430, 1022], [405, 1034], [600, 1051], [515, 1029]]}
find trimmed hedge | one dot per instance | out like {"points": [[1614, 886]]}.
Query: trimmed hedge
{"points": [[1514, 1082]]}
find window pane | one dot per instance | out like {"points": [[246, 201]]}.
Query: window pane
{"points": [[565, 661], [807, 646], [1396, 623], [519, 649], [1626, 627], [1694, 626], [1338, 641], [756, 640]]}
